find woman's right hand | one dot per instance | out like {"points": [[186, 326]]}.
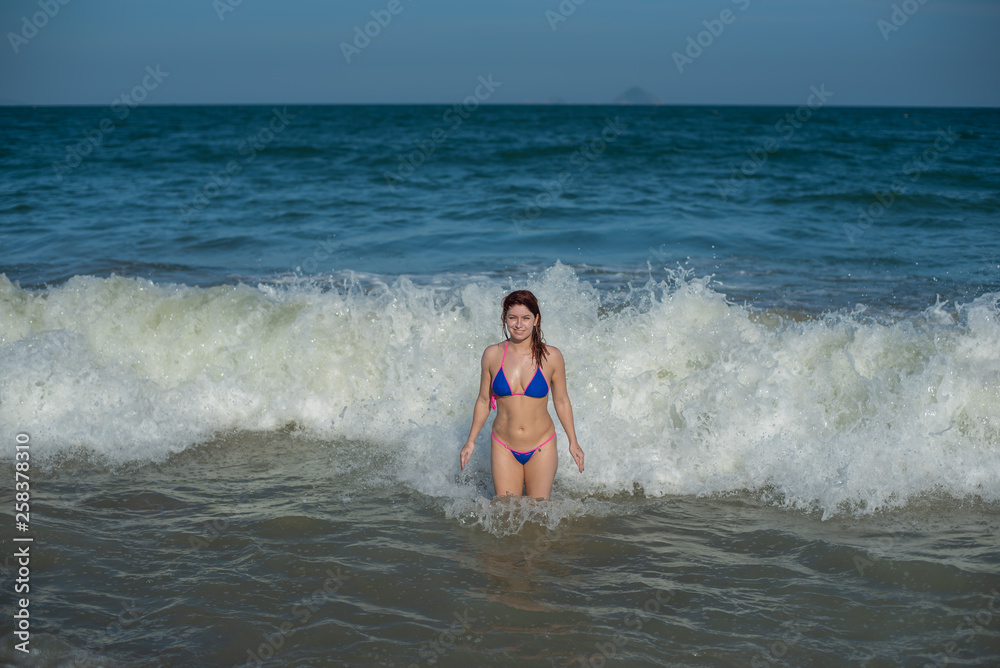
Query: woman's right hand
{"points": [[466, 454]]}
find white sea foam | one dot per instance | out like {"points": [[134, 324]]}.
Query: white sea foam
{"points": [[679, 392]]}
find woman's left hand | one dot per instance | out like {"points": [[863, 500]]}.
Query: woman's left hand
{"points": [[576, 452], [466, 453]]}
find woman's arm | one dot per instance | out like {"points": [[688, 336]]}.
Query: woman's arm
{"points": [[560, 399], [480, 412]]}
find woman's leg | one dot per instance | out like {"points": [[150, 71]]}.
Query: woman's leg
{"points": [[540, 471], [508, 474]]}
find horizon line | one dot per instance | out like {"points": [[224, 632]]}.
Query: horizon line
{"points": [[8, 104]]}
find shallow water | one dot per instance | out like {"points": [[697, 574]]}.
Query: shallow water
{"points": [[305, 553]]}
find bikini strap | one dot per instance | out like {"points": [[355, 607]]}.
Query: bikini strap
{"points": [[504, 356]]}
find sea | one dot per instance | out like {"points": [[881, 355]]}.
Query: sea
{"points": [[239, 350]]}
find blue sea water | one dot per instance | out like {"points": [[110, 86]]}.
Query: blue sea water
{"points": [[804, 217], [243, 343]]}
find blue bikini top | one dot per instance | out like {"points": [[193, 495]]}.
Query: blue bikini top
{"points": [[537, 388]]}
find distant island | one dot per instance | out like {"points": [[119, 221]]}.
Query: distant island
{"points": [[637, 95]]}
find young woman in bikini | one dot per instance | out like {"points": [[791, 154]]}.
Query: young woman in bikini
{"points": [[517, 375]]}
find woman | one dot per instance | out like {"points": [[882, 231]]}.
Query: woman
{"points": [[516, 379]]}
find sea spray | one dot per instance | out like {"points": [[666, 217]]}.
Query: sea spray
{"points": [[675, 389]]}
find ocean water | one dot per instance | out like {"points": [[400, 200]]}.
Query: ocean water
{"points": [[241, 345]]}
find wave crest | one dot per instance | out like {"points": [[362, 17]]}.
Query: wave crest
{"points": [[675, 389]]}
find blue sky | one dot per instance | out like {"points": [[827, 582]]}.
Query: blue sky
{"points": [[935, 52]]}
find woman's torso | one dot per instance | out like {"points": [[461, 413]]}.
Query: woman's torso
{"points": [[522, 416]]}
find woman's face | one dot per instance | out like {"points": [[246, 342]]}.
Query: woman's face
{"points": [[519, 321]]}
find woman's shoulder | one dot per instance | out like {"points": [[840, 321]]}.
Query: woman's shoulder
{"points": [[493, 350], [553, 354]]}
